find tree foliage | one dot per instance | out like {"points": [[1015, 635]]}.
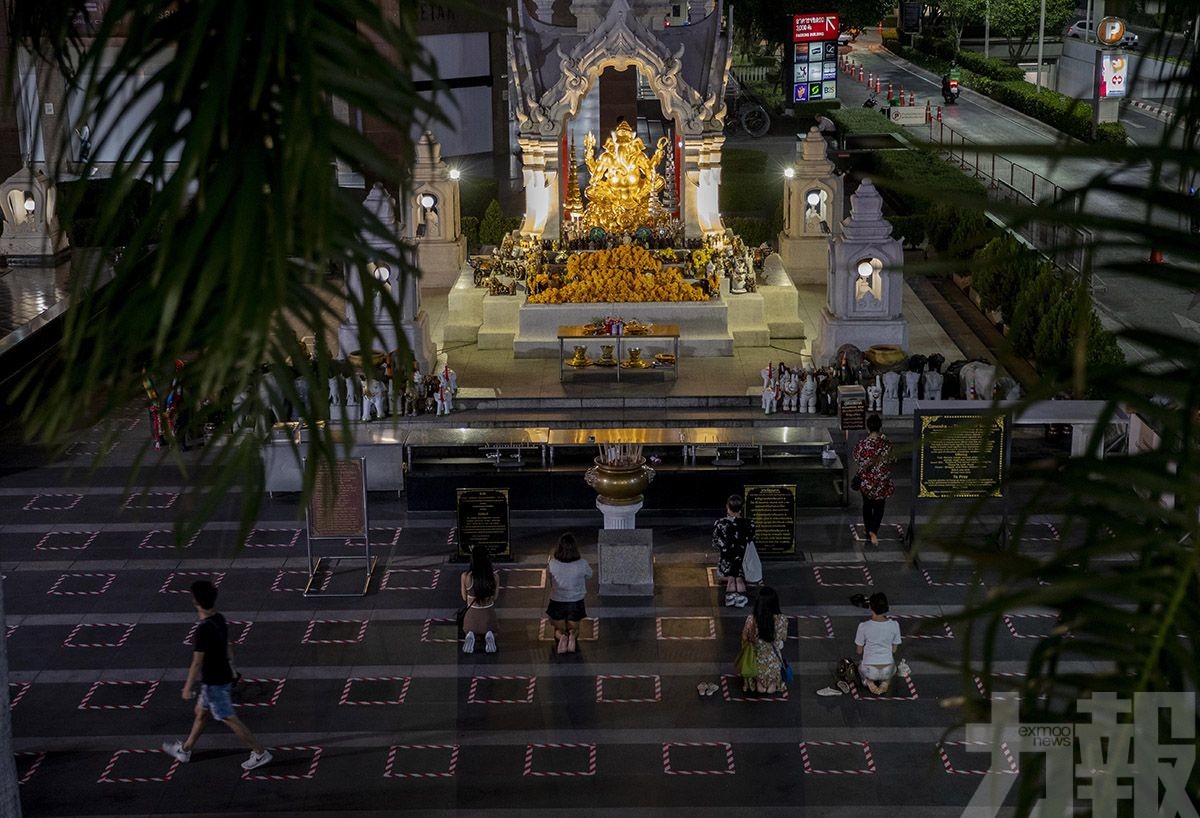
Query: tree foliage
{"points": [[771, 20], [1018, 21], [228, 263]]}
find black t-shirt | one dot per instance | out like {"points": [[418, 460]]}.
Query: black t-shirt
{"points": [[212, 639]]}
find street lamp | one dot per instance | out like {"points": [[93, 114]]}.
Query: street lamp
{"points": [[455, 174], [427, 200], [813, 198], [865, 268], [789, 173], [30, 204]]}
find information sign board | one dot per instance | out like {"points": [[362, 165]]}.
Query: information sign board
{"points": [[814, 57], [852, 407], [907, 115], [772, 509], [483, 520], [961, 454], [1114, 70], [807, 28], [337, 508]]}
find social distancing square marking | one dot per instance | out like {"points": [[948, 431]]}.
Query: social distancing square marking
{"points": [[685, 628], [410, 579], [581, 757], [403, 753], [138, 767], [648, 687], [723, 753], [127, 695], [513, 683], [588, 630], [977, 759], [65, 540], [831, 576], [99, 635], [808, 748], [393, 690], [812, 626]]}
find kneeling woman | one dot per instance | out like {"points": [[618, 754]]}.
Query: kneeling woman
{"points": [[766, 629], [479, 586], [568, 587]]}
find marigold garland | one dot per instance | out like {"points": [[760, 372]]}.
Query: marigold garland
{"points": [[627, 273]]}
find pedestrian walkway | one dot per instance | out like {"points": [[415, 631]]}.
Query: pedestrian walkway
{"points": [[370, 707]]}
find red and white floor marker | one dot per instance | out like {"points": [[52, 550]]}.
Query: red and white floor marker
{"points": [[996, 674], [358, 637], [213, 576], [15, 696], [591, 761], [732, 684], [296, 579], [530, 689], [950, 768], [509, 578], [713, 580], [100, 583], [823, 620], [107, 776], [932, 583], [655, 680], [820, 571], [38, 758], [266, 537], [270, 702], [1054, 535], [150, 687], [78, 631], [154, 536], [723, 745], [61, 502], [863, 745], [69, 540], [404, 681], [859, 532], [589, 634], [9, 630], [888, 697], [386, 583], [1012, 626], [672, 620], [243, 625], [947, 632], [253, 775], [86, 448], [389, 769], [390, 540], [142, 499], [443, 623]]}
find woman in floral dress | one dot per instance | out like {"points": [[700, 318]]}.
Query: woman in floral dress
{"points": [[766, 629], [874, 457]]}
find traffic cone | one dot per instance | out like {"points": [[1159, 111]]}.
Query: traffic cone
{"points": [[901, 94], [860, 73], [1156, 256], [939, 115], [889, 89], [870, 79], [912, 98], [877, 85], [928, 111]]}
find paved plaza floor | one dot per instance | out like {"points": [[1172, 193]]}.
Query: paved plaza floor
{"points": [[372, 709]]}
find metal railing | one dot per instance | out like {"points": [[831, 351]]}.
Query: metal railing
{"points": [[1065, 245], [756, 73]]}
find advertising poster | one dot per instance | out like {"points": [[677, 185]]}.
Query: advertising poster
{"points": [[1113, 75]]}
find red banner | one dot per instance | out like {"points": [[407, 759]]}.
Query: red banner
{"points": [[807, 28]]}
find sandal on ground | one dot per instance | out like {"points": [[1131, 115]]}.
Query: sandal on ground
{"points": [[829, 691], [710, 689], [843, 686]]}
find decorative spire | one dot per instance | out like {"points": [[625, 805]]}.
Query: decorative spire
{"points": [[670, 200], [574, 196]]}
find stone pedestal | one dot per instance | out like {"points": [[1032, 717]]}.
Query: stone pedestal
{"points": [[465, 310], [626, 561], [619, 517], [891, 406], [440, 261], [32, 236]]}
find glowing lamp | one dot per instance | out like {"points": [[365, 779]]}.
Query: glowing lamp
{"points": [[813, 198], [865, 268], [30, 204], [427, 200], [789, 173], [455, 174]]}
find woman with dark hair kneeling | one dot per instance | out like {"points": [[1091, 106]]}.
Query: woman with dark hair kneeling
{"points": [[877, 639], [568, 587], [766, 629], [479, 585]]}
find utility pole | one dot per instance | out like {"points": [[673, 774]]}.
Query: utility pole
{"points": [[1041, 43], [987, 28]]}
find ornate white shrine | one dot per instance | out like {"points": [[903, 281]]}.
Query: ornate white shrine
{"points": [[552, 68], [812, 211], [865, 288], [32, 235], [433, 216]]}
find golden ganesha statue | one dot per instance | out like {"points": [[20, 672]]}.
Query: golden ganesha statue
{"points": [[623, 180]]}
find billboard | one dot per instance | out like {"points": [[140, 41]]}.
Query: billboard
{"points": [[1114, 68], [808, 28], [814, 57]]}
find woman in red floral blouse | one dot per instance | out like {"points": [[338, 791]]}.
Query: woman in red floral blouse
{"points": [[874, 457]]}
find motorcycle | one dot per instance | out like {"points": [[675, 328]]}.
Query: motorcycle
{"points": [[870, 101], [950, 92]]}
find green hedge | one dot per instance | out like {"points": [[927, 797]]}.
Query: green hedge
{"points": [[751, 185], [1001, 268], [475, 192], [862, 121], [754, 230], [470, 230], [495, 225]]}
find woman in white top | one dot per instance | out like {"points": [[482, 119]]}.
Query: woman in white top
{"points": [[877, 640], [479, 585], [568, 587]]}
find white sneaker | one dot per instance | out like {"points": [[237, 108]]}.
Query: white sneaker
{"points": [[829, 691], [469, 643], [256, 760], [489, 642], [730, 600], [175, 750], [741, 601]]}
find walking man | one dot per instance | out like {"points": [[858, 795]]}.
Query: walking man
{"points": [[731, 534], [211, 663]]}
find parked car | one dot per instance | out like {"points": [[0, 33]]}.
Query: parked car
{"points": [[1086, 30]]}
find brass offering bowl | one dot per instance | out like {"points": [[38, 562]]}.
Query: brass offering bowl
{"points": [[580, 358], [635, 359], [606, 356]]}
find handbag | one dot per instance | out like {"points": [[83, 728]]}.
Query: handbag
{"points": [[785, 670], [746, 665], [459, 616], [751, 564]]}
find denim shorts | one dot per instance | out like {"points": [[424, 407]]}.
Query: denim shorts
{"points": [[215, 698]]}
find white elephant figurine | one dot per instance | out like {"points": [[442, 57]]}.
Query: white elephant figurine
{"points": [[443, 400], [808, 394], [977, 380], [335, 391], [933, 385], [891, 385], [874, 395], [791, 391], [768, 375], [912, 383], [770, 398]]}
